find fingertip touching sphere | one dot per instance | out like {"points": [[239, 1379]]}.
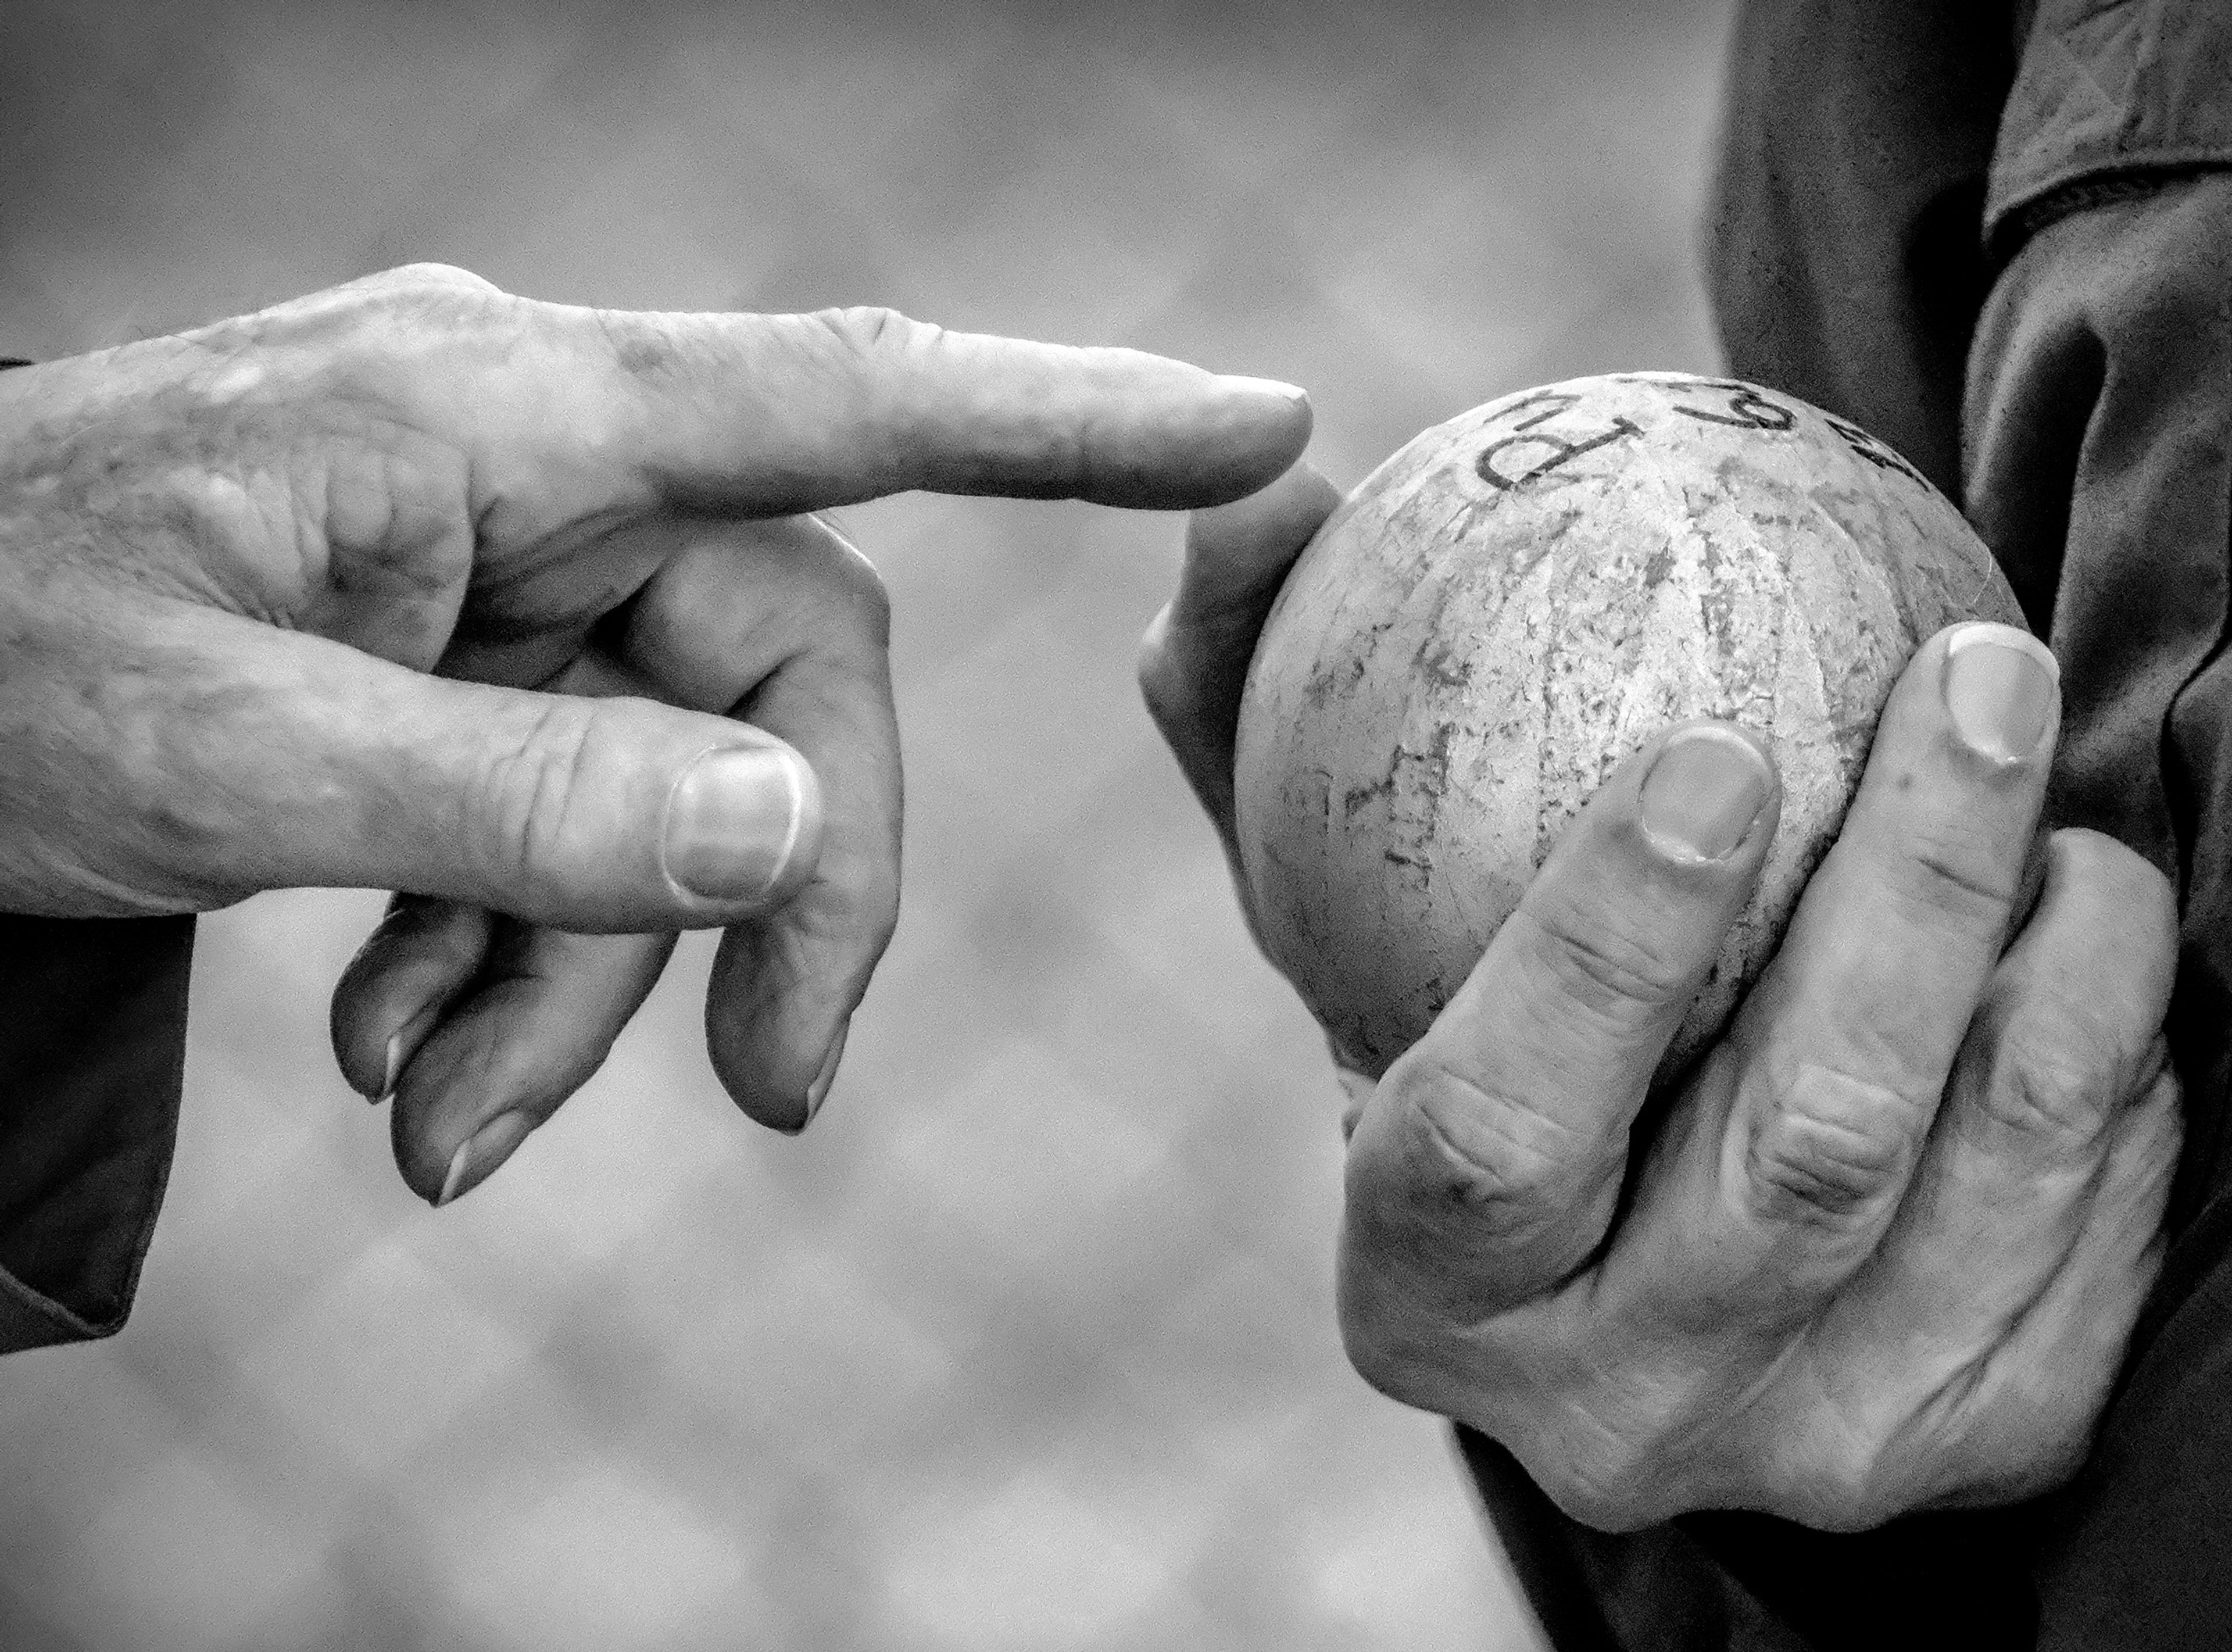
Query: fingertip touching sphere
{"points": [[1518, 600]]}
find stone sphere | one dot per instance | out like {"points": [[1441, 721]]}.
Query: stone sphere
{"points": [[1521, 597]]}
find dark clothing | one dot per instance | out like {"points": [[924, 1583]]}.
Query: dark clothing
{"points": [[91, 1051], [92, 1042], [2000, 238]]}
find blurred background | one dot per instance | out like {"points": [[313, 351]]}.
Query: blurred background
{"points": [[1028, 1343]]}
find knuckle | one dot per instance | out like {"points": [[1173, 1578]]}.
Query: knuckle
{"points": [[1614, 975], [427, 273], [363, 325], [1830, 1151], [1485, 1154], [1954, 866], [2006, 1454], [873, 329], [521, 811], [2065, 1090]]}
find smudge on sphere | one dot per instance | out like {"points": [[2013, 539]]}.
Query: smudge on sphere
{"points": [[1518, 599]]}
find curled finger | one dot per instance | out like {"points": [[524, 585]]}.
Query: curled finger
{"points": [[790, 623], [1487, 1165], [424, 955], [537, 1022], [1774, 1190]]}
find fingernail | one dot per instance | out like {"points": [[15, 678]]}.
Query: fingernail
{"points": [[1246, 386], [483, 1151], [818, 1091], [2000, 685], [394, 1068], [1702, 795], [733, 820]]}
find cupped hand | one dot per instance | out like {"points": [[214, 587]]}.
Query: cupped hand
{"points": [[1881, 1250], [515, 607]]}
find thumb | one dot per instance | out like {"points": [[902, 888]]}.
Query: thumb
{"points": [[1194, 659], [318, 765]]}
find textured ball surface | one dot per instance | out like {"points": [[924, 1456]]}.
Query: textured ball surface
{"points": [[1518, 599]]}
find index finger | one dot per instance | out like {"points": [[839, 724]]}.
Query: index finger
{"points": [[781, 414]]}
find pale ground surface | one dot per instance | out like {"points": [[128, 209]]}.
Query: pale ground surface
{"points": [[1028, 1344]]}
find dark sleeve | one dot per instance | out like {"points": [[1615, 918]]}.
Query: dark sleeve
{"points": [[2018, 268], [1842, 250], [92, 1026], [91, 1043], [2097, 465], [2100, 471]]}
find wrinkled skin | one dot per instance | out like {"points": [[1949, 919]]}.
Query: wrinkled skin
{"points": [[418, 585], [1881, 1249]]}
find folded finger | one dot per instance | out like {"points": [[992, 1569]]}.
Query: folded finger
{"points": [[511, 1017], [1488, 1164], [2068, 1038], [790, 623], [534, 1026], [2025, 1414], [1832, 1070], [424, 954]]}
